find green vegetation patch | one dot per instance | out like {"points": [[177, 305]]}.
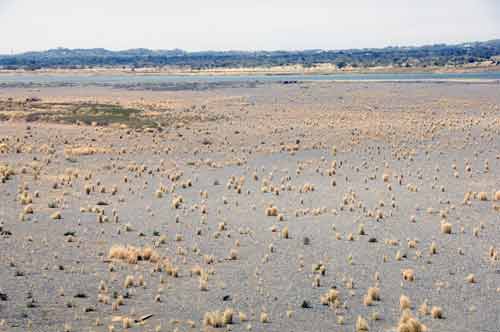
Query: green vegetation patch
{"points": [[104, 115]]}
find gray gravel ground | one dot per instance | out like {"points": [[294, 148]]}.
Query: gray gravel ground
{"points": [[52, 283]]}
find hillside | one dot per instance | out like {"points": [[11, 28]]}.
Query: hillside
{"points": [[422, 56]]}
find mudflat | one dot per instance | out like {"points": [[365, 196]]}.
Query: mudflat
{"points": [[320, 206]]}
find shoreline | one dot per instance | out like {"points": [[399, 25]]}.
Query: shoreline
{"points": [[257, 71], [211, 85]]}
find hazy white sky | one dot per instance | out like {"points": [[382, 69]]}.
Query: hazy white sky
{"points": [[243, 25]]}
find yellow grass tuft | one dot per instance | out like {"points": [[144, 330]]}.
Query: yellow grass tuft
{"points": [[373, 293], [482, 196], [423, 309], [361, 324], [227, 316], [445, 227], [408, 274], [129, 282], [203, 284], [233, 254], [329, 297], [264, 317], [407, 323], [5, 173], [471, 278], [242, 316], [4, 148], [284, 233], [84, 151], [437, 312], [433, 249], [272, 211], [127, 322], [132, 254], [177, 202], [404, 302]]}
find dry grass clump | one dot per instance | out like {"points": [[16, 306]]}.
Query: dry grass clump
{"points": [[242, 316], [218, 319], [407, 323], [84, 151], [471, 278], [221, 226], [373, 294], [129, 282], [272, 211], [423, 309], [196, 271], [482, 196], [177, 201], [284, 233], [361, 324], [56, 215], [233, 254], [25, 198], [385, 177], [412, 188], [329, 297], [308, 187], [497, 196], [103, 298], [412, 244], [408, 274], [28, 209], [132, 254], [404, 302], [319, 268], [5, 173], [375, 316], [317, 281], [87, 189], [492, 252], [227, 316], [437, 312], [367, 301], [203, 283], [127, 322], [433, 248], [170, 269], [361, 229], [264, 317], [4, 148], [446, 227], [209, 259]]}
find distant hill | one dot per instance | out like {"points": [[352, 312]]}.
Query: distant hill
{"points": [[422, 56]]}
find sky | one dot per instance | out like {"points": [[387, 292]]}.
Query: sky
{"points": [[193, 25]]}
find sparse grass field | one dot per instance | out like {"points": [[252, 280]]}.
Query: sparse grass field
{"points": [[305, 207]]}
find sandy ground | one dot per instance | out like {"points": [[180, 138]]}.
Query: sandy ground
{"points": [[318, 69], [262, 203]]}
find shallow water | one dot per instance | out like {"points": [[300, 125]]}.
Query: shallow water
{"points": [[163, 78]]}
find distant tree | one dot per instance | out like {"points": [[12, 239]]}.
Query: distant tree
{"points": [[341, 64]]}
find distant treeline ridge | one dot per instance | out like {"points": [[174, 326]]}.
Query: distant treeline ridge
{"points": [[422, 56]]}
